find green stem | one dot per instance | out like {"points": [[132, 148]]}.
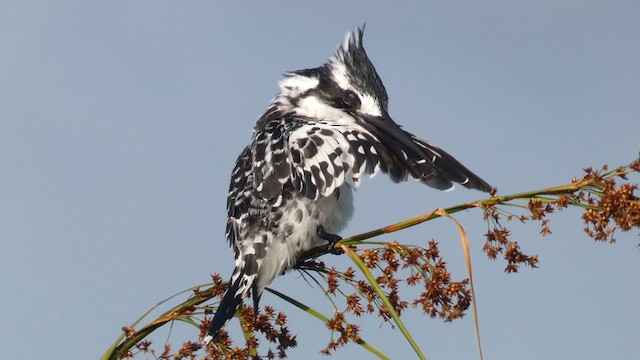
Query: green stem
{"points": [[558, 190]]}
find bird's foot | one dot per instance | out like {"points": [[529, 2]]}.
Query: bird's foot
{"points": [[332, 239], [310, 264]]}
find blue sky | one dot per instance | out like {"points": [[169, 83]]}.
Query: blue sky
{"points": [[120, 122]]}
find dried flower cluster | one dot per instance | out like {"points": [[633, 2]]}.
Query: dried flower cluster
{"points": [[268, 323], [498, 237], [395, 264], [610, 206]]}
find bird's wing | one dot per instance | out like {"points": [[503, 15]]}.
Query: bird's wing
{"points": [[271, 159], [326, 156], [317, 157], [240, 209], [239, 199]]}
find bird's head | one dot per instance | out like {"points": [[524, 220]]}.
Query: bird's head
{"points": [[346, 91], [340, 90]]}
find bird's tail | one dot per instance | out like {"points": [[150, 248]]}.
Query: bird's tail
{"points": [[239, 285]]}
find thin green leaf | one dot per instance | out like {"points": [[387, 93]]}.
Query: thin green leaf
{"points": [[464, 240]]}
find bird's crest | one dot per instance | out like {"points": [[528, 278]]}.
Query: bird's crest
{"points": [[351, 67]]}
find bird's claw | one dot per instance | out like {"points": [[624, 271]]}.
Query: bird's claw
{"points": [[332, 239]]}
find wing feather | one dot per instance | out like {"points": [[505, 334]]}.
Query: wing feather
{"points": [[449, 170]]}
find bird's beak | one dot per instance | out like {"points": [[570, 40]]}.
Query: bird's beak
{"points": [[392, 136]]}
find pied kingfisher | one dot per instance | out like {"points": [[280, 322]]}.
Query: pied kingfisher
{"points": [[291, 188]]}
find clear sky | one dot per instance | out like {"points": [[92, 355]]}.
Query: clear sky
{"points": [[120, 122]]}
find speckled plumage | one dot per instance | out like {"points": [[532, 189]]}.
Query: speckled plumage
{"points": [[291, 188]]}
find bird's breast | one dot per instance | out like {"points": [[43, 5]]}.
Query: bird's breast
{"points": [[302, 216], [335, 211]]}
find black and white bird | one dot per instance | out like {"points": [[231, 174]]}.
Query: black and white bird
{"points": [[291, 188]]}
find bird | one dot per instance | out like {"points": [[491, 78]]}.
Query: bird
{"points": [[292, 187]]}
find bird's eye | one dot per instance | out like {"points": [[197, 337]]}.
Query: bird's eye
{"points": [[350, 99]]}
